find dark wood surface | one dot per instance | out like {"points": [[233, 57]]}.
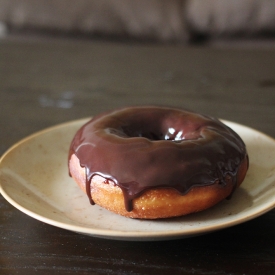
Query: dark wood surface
{"points": [[47, 82]]}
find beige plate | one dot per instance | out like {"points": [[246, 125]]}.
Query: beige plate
{"points": [[34, 178]]}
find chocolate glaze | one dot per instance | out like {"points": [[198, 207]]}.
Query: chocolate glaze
{"points": [[141, 148]]}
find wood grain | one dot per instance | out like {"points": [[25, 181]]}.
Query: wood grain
{"points": [[43, 83]]}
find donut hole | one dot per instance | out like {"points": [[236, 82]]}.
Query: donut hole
{"points": [[132, 132], [157, 124], [170, 134]]}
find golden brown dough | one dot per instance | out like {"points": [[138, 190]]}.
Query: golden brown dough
{"points": [[155, 203]]}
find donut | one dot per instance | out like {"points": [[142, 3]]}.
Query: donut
{"points": [[151, 162]]}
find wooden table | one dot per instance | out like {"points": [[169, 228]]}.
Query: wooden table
{"points": [[46, 82]]}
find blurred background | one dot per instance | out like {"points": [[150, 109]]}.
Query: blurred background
{"points": [[180, 21]]}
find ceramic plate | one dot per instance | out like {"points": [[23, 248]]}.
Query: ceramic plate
{"points": [[34, 178]]}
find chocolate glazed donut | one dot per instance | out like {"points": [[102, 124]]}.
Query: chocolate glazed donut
{"points": [[156, 148]]}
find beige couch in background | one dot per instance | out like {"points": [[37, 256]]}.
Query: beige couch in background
{"points": [[161, 20]]}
